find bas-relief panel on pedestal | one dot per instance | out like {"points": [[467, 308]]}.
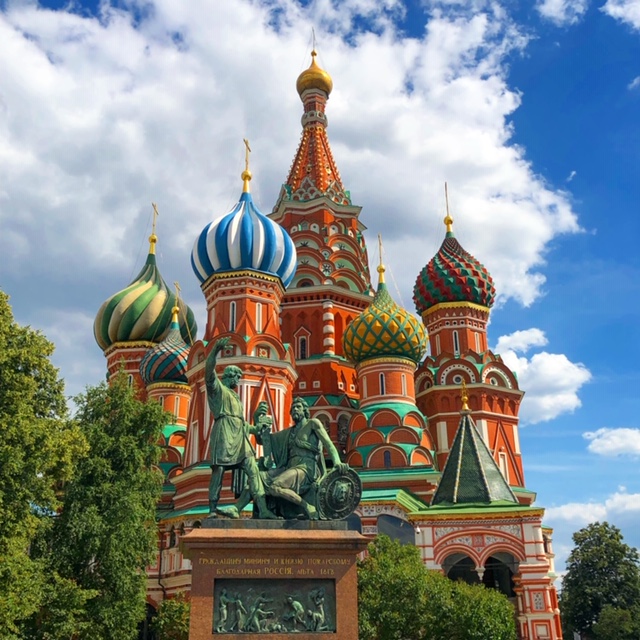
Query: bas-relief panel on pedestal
{"points": [[274, 606]]}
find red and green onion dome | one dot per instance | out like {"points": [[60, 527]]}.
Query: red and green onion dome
{"points": [[142, 311], [384, 329], [167, 361], [453, 275]]}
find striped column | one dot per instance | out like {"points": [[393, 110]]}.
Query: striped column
{"points": [[329, 329]]}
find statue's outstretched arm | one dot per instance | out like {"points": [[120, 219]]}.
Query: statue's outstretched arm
{"points": [[210, 376]]}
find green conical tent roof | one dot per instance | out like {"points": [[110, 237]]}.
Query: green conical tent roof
{"points": [[471, 475]]}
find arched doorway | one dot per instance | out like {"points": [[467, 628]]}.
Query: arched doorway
{"points": [[459, 566], [499, 570]]}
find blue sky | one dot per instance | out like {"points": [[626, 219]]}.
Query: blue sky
{"points": [[527, 109]]}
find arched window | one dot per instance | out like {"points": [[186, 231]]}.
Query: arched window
{"points": [[382, 385], [161, 401], [130, 379], [176, 413], [456, 343], [386, 456], [364, 387], [504, 467], [437, 345], [477, 335], [404, 384], [259, 317], [232, 316]]}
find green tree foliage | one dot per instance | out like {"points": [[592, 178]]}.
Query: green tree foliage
{"points": [[392, 586], [172, 619], [106, 535], [601, 570], [38, 446], [399, 600], [621, 624]]}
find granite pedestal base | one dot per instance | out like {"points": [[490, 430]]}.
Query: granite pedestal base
{"points": [[270, 579]]}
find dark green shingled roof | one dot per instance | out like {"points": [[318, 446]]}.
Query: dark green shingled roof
{"points": [[471, 475]]}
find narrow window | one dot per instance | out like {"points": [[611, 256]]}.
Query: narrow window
{"points": [[259, 317], [477, 335], [387, 459], [176, 413], [302, 348], [130, 378], [456, 343], [364, 387], [502, 459], [232, 316], [382, 385], [437, 345], [161, 401], [404, 384]]}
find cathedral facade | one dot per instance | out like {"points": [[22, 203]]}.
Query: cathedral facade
{"points": [[431, 430]]}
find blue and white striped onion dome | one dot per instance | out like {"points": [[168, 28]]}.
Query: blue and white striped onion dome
{"points": [[242, 239]]}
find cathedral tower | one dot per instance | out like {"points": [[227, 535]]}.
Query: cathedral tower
{"points": [[332, 283]]}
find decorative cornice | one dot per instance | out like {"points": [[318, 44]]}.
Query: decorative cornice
{"points": [[128, 346], [229, 275], [179, 386], [455, 305]]}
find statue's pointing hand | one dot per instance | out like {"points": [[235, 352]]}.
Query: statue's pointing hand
{"points": [[221, 344]]}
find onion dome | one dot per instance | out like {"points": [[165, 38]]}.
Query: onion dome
{"points": [[243, 239], [453, 275], [167, 361], [384, 329], [314, 78], [141, 311]]}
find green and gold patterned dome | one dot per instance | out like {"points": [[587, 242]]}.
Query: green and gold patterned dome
{"points": [[142, 311], [384, 329]]}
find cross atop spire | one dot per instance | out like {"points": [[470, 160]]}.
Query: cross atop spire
{"points": [[246, 174], [153, 238]]}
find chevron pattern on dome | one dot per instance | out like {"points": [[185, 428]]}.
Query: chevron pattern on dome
{"points": [[453, 275], [243, 239], [167, 361], [141, 311], [384, 329]]}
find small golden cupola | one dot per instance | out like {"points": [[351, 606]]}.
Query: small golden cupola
{"points": [[314, 78]]}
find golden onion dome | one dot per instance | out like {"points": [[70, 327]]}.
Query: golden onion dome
{"points": [[384, 329], [314, 78]]}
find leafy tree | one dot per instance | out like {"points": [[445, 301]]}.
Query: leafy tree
{"points": [[399, 600], [172, 619], [621, 624], [392, 585], [38, 446], [106, 534], [601, 570]]}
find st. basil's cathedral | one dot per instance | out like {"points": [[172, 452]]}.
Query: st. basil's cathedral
{"points": [[434, 439]]}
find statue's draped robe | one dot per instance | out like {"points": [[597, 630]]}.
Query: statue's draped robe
{"points": [[229, 436]]}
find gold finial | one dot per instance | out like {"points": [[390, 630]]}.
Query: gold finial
{"points": [[448, 220], [381, 268], [246, 174], [153, 238], [176, 308], [464, 396]]}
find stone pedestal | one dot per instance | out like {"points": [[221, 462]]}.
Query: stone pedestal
{"points": [[257, 578]]}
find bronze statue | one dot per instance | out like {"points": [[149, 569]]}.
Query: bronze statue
{"points": [[229, 443], [296, 480]]}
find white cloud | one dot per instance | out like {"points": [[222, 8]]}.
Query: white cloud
{"points": [[624, 10], [634, 84], [123, 110], [571, 176], [614, 442], [562, 12], [551, 380], [620, 509], [522, 341]]}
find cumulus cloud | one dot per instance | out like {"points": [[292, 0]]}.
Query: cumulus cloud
{"points": [[614, 442], [621, 509], [99, 116], [562, 12], [551, 380], [627, 11]]}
